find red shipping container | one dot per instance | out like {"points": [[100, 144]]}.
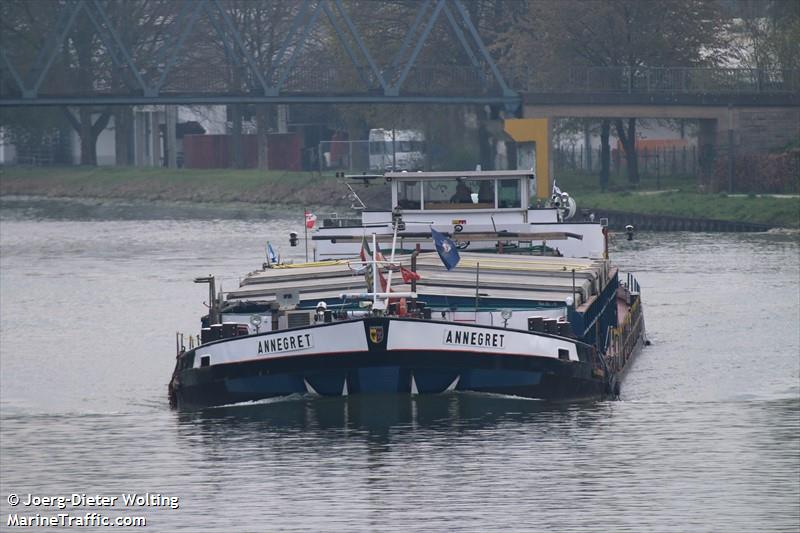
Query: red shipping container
{"points": [[213, 151], [205, 151], [284, 151]]}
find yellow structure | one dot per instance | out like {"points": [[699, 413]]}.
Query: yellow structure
{"points": [[537, 131]]}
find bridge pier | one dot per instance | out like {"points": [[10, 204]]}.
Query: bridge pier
{"points": [[707, 144], [140, 129], [171, 116], [155, 139], [147, 138]]}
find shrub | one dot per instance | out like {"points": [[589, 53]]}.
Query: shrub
{"points": [[762, 173]]}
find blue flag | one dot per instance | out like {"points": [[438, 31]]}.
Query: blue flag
{"points": [[273, 257], [446, 248]]}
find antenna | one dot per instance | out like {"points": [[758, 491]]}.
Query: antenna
{"points": [[356, 198]]}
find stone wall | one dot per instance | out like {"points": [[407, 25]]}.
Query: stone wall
{"points": [[760, 130]]}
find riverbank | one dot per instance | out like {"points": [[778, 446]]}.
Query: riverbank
{"points": [[305, 189], [177, 185], [772, 211], [678, 196]]}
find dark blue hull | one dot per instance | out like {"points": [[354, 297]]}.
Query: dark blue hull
{"points": [[386, 372]]}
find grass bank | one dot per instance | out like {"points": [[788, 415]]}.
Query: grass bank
{"points": [[677, 197], [217, 185], [779, 212]]}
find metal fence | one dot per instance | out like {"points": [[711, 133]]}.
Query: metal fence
{"points": [[350, 156], [653, 162], [355, 156], [48, 149]]}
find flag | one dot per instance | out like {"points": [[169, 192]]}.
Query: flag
{"points": [[446, 249], [378, 254], [311, 219], [271, 255], [366, 258], [379, 257], [409, 275]]}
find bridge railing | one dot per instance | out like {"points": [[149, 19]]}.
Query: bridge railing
{"points": [[203, 79], [445, 80], [681, 80]]}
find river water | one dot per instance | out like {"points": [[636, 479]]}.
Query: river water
{"points": [[705, 438]]}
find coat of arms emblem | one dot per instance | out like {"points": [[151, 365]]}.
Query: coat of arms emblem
{"points": [[376, 334]]}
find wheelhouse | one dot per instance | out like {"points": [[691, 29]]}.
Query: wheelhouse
{"points": [[438, 192]]}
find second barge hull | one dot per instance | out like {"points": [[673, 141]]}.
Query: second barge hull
{"points": [[418, 372], [378, 369]]}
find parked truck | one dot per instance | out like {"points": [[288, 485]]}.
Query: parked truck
{"points": [[396, 149]]}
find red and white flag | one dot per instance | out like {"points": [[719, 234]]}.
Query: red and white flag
{"points": [[366, 258], [409, 275], [311, 219]]}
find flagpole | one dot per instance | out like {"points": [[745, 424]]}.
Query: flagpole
{"points": [[391, 260], [305, 230], [477, 288], [374, 273]]}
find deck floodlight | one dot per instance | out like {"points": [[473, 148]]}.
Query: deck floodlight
{"points": [[255, 321]]}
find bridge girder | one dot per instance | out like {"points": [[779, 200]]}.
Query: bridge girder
{"points": [[148, 84]]}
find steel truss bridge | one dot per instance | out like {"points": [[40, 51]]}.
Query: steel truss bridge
{"points": [[201, 52], [170, 72]]}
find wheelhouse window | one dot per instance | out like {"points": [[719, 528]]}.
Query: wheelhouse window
{"points": [[459, 194], [485, 190], [409, 194], [509, 194], [438, 194]]}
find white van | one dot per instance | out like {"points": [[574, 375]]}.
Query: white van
{"points": [[406, 151]]}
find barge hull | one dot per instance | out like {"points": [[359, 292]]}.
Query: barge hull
{"points": [[421, 372]]}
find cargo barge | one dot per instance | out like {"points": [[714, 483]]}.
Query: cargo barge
{"points": [[480, 292]]}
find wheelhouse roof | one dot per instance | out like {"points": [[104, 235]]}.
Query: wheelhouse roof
{"points": [[413, 176]]}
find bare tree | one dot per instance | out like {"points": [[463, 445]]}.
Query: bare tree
{"points": [[626, 34], [766, 34]]}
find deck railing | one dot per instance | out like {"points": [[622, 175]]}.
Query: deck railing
{"points": [[622, 340]]}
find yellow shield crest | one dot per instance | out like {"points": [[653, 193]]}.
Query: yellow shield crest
{"points": [[376, 334]]}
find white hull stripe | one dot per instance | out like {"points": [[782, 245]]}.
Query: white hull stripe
{"points": [[350, 338]]}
